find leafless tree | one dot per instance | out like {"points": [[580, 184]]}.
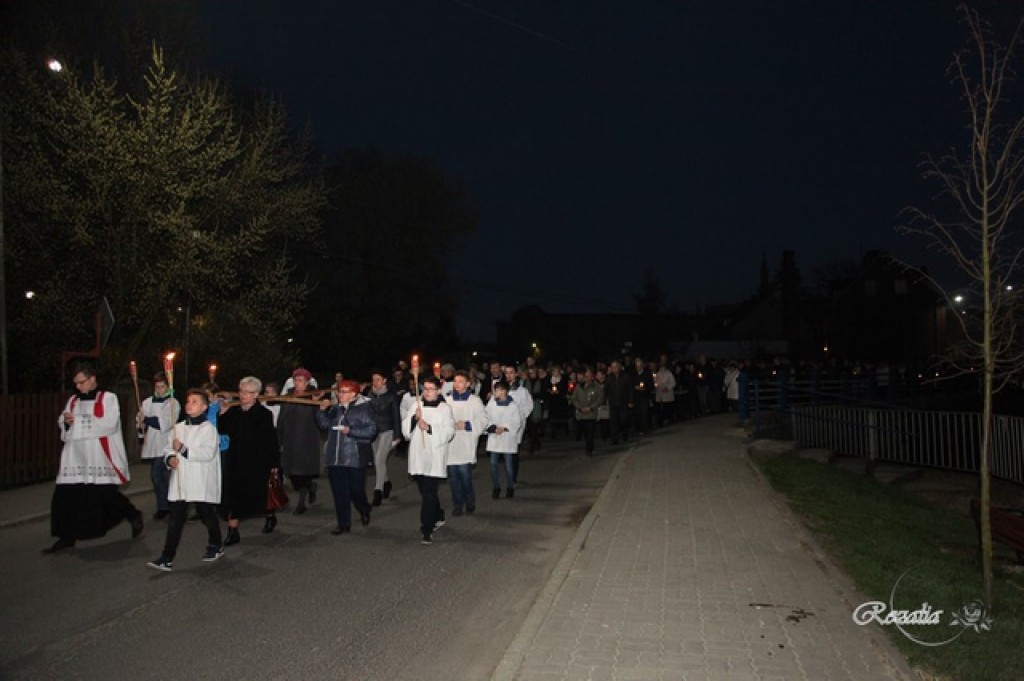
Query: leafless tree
{"points": [[975, 222]]}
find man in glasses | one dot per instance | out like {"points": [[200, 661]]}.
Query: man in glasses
{"points": [[429, 426], [87, 501]]}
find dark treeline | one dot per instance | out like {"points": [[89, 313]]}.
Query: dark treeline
{"points": [[190, 203]]}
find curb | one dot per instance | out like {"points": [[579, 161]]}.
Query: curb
{"points": [[508, 668]]}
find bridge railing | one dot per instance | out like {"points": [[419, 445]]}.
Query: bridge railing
{"points": [[852, 425]]}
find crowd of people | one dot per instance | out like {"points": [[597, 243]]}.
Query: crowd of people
{"points": [[219, 451]]}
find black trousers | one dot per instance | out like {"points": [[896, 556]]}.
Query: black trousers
{"points": [[348, 486], [618, 417], [588, 427], [640, 413], [176, 523], [430, 504]]}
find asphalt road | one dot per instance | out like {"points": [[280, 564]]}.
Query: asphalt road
{"points": [[300, 603]]}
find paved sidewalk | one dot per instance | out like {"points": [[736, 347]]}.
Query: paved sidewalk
{"points": [[690, 567]]}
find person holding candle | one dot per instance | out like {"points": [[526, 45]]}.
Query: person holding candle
{"points": [[556, 387], [87, 500], [643, 387], [155, 419], [351, 429], [504, 420], [429, 426], [470, 422], [193, 457]]}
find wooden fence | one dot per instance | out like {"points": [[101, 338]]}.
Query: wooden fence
{"points": [[29, 440]]}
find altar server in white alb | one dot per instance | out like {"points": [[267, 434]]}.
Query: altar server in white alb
{"points": [[470, 422], [504, 420], [155, 419], [193, 457], [87, 500], [429, 428]]}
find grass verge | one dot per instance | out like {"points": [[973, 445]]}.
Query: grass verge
{"points": [[886, 537]]}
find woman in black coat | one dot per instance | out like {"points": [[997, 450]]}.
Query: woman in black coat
{"points": [[251, 454]]}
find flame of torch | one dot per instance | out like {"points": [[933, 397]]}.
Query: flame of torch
{"points": [[169, 370]]}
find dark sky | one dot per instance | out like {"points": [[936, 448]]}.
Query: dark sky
{"points": [[602, 137]]}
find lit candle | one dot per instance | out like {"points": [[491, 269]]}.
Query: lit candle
{"points": [[213, 373]]}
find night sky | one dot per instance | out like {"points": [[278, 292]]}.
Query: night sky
{"points": [[602, 137]]}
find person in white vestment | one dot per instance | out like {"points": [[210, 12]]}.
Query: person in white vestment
{"points": [[87, 500]]}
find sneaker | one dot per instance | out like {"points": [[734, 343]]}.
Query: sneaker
{"points": [[213, 552], [470, 508], [161, 563], [457, 511], [439, 524], [426, 541]]}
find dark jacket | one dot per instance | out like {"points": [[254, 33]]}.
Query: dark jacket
{"points": [[385, 411], [618, 389], [299, 437], [643, 383], [252, 451], [352, 449]]}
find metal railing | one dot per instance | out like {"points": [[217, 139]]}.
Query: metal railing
{"points": [[852, 425]]}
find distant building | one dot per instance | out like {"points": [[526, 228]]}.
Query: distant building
{"points": [[888, 311], [884, 310]]}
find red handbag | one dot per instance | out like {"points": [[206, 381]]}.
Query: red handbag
{"points": [[276, 496]]}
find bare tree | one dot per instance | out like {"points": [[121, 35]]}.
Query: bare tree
{"points": [[973, 224]]}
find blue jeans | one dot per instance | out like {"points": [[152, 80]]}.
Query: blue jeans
{"points": [[510, 469], [460, 478], [161, 478]]}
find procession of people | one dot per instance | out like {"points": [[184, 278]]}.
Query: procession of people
{"points": [[226, 453]]}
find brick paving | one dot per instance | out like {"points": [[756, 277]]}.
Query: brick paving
{"points": [[690, 567]]}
